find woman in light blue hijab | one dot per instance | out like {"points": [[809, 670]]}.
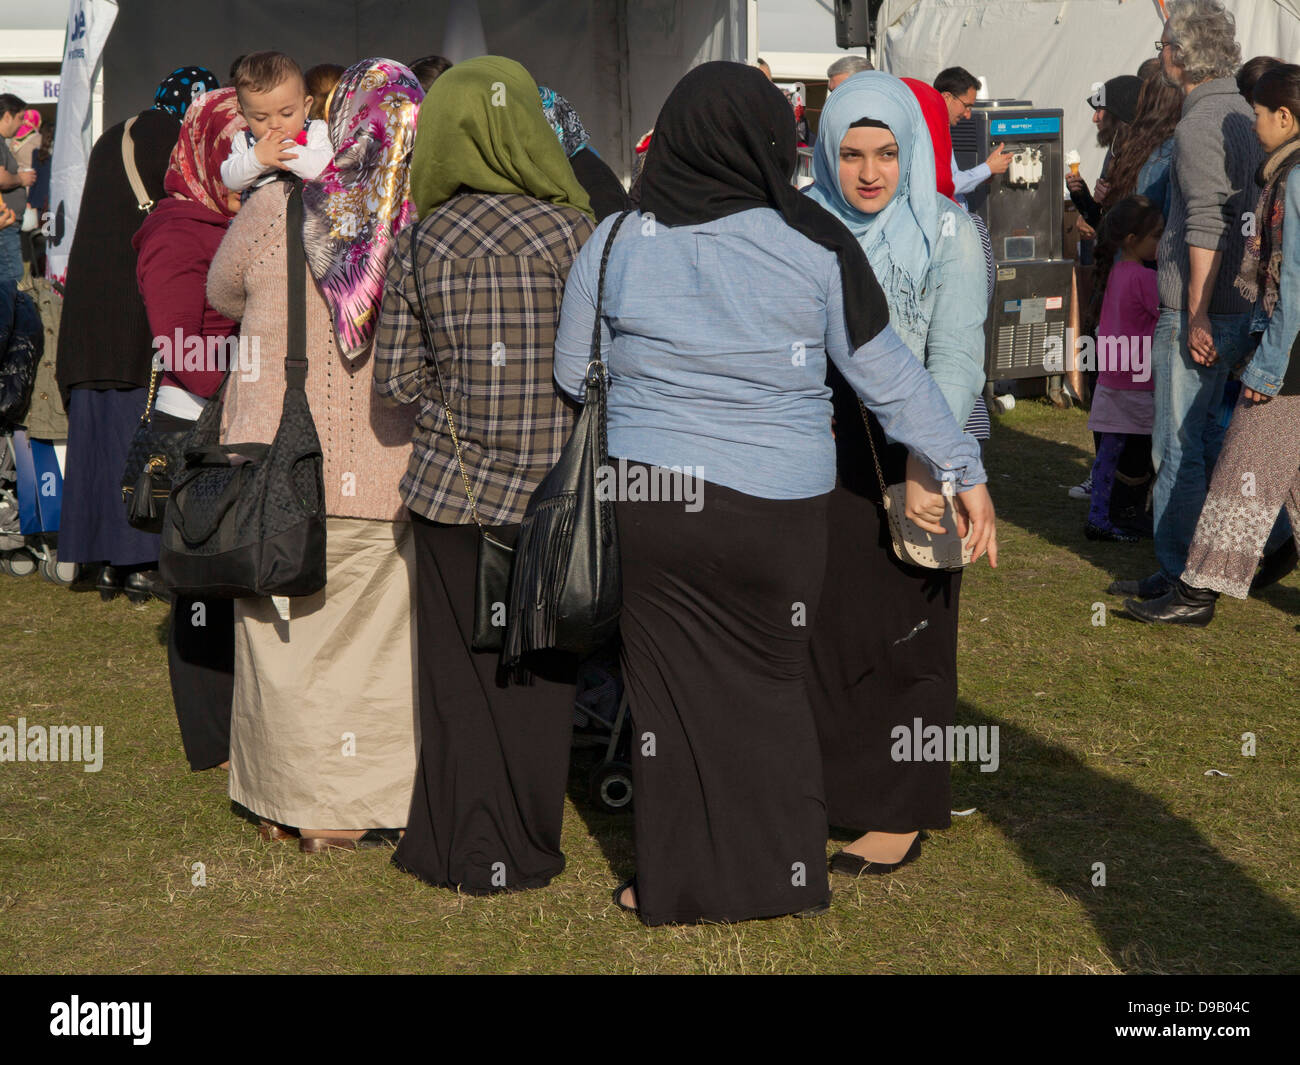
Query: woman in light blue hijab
{"points": [[884, 644]]}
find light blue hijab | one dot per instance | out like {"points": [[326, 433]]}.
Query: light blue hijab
{"points": [[899, 240]]}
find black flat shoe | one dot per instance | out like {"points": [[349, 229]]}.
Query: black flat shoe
{"points": [[109, 583], [1181, 605], [1275, 566], [145, 584], [1152, 587], [814, 911], [1115, 536], [852, 865], [630, 882]]}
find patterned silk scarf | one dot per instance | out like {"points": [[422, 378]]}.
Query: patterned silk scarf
{"points": [[1261, 265], [362, 198]]}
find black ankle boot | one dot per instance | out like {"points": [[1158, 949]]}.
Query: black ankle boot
{"points": [[1181, 605], [109, 583]]}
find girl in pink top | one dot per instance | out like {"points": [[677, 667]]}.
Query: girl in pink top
{"points": [[1123, 402]]}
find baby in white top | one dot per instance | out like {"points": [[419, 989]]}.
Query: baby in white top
{"points": [[274, 101]]}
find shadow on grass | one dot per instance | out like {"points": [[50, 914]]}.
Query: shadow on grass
{"points": [[1172, 902], [1033, 499], [612, 833]]}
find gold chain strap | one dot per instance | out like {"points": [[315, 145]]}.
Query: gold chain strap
{"points": [[880, 476], [154, 378]]}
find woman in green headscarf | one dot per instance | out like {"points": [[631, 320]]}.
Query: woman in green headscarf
{"points": [[471, 305], [485, 129]]}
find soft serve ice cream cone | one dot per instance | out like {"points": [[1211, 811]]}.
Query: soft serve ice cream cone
{"points": [[1072, 161]]}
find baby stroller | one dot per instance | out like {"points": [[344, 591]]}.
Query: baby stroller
{"points": [[30, 492], [601, 723], [15, 559]]}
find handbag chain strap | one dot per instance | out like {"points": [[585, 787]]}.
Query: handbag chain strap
{"points": [[875, 456], [428, 343]]}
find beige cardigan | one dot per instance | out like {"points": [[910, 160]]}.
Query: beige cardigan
{"points": [[365, 439]]}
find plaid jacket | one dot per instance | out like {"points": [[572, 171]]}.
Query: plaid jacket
{"points": [[493, 269]]}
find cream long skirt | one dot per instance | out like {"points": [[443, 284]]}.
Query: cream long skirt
{"points": [[324, 729]]}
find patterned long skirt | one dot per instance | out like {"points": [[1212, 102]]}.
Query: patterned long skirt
{"points": [[1257, 474]]}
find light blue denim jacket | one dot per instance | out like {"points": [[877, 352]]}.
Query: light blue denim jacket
{"points": [[717, 338], [1153, 178], [1267, 367], [947, 333]]}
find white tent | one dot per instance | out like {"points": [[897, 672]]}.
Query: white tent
{"points": [[1054, 52], [616, 60]]}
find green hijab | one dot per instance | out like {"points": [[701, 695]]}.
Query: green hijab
{"points": [[482, 127]]}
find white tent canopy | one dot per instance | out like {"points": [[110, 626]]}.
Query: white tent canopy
{"points": [[1054, 51], [616, 60]]}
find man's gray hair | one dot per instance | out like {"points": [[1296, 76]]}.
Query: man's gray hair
{"points": [[849, 64], [1204, 39]]}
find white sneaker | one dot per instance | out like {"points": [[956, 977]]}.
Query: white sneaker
{"points": [[1082, 491]]}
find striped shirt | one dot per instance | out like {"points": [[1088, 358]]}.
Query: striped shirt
{"points": [[493, 269]]}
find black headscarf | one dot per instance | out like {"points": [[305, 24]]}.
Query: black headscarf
{"points": [[725, 143]]}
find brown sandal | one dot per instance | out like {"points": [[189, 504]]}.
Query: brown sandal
{"points": [[273, 833], [317, 844]]}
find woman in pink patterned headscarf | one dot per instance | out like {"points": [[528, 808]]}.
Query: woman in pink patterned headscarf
{"points": [[361, 199]]}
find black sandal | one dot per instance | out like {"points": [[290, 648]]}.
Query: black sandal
{"points": [[630, 882]]}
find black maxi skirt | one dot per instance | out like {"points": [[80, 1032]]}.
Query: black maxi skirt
{"points": [[883, 654], [717, 608], [494, 755]]}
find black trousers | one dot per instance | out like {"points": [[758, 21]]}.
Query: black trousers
{"points": [[494, 755], [201, 663]]}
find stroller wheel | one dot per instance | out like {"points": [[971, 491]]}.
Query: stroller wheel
{"points": [[18, 563], [56, 572], [611, 787]]}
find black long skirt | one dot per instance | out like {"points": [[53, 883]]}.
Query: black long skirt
{"points": [[717, 608], [883, 654], [494, 755], [201, 665]]}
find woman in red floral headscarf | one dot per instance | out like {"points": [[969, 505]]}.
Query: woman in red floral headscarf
{"points": [[174, 248]]}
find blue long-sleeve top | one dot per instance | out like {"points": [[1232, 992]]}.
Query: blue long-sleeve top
{"points": [[716, 337], [1268, 366]]}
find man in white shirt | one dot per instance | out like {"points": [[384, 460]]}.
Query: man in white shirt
{"points": [[958, 88]]}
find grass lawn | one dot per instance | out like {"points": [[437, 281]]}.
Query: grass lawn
{"points": [[1106, 735]]}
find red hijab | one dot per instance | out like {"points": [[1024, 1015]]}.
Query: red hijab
{"points": [[209, 128], [935, 112]]}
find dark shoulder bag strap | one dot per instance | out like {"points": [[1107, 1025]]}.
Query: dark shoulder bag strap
{"points": [[295, 357], [600, 285]]}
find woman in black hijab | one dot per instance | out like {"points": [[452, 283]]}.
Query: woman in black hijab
{"points": [[723, 299], [106, 346]]}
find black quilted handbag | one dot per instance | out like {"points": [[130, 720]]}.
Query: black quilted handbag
{"points": [[567, 588], [249, 519], [152, 459]]}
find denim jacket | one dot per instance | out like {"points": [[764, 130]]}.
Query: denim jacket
{"points": [[1153, 178], [947, 334], [1267, 367]]}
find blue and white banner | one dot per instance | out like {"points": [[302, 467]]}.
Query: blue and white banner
{"points": [[89, 22]]}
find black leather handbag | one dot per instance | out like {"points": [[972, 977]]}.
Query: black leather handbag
{"points": [[495, 558], [22, 340], [153, 458], [249, 519], [567, 590]]}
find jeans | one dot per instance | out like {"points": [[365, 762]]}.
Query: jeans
{"points": [[11, 254], [1187, 434]]}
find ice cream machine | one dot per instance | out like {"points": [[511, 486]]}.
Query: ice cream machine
{"points": [[1023, 209]]}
